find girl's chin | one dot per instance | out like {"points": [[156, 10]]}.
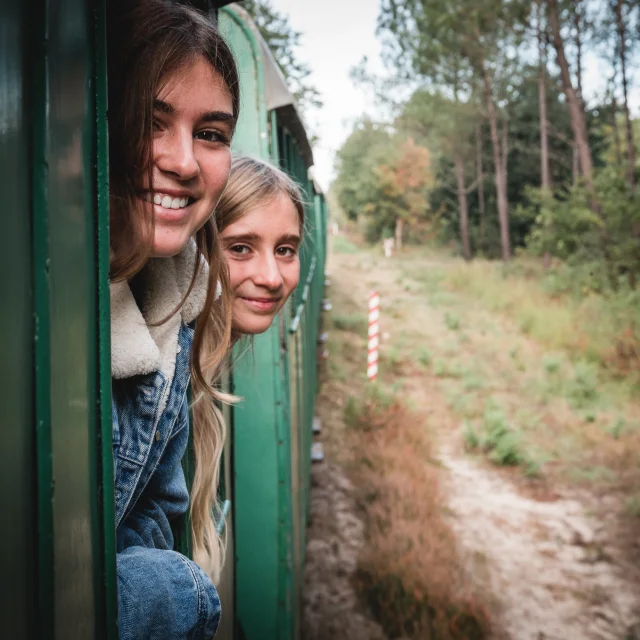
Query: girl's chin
{"points": [[251, 326], [168, 245]]}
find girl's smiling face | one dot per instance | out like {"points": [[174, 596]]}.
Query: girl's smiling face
{"points": [[193, 125], [262, 253]]}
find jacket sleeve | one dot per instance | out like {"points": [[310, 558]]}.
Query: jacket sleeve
{"points": [[164, 596], [161, 593]]}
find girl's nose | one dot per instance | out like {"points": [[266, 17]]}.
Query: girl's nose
{"points": [[268, 273], [176, 155]]}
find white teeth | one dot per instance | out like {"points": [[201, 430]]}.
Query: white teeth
{"points": [[167, 201]]}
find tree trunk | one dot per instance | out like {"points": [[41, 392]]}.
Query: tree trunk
{"points": [[575, 163], [398, 234], [480, 178], [462, 207], [614, 126], [501, 183], [576, 112], [577, 21], [545, 176], [631, 168]]}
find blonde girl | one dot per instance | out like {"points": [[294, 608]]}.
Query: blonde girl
{"points": [[260, 218]]}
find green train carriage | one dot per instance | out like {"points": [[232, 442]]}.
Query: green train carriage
{"points": [[58, 568]]}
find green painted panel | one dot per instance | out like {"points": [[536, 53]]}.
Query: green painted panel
{"points": [[260, 435], [106, 578], [251, 137], [17, 490], [73, 322]]}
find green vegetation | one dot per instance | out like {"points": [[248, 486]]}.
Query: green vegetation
{"points": [[500, 440], [341, 244], [354, 322]]}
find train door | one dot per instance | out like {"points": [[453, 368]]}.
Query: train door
{"points": [[57, 497]]}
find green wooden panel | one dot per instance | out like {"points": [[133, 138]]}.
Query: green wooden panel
{"points": [[17, 490], [73, 305], [106, 576], [251, 137], [261, 450]]}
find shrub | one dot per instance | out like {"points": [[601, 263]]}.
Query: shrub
{"points": [[353, 322]]}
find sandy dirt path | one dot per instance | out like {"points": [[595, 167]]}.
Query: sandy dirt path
{"points": [[549, 559]]}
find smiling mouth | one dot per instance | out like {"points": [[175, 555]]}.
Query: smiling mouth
{"points": [[168, 202], [262, 304]]}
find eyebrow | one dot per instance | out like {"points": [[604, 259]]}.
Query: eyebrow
{"points": [[207, 116], [293, 238]]}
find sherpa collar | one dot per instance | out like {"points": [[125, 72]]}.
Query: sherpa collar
{"points": [[138, 344]]}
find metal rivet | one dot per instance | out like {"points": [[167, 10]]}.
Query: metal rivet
{"points": [[158, 435]]}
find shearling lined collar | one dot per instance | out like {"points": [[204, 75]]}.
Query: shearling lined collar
{"points": [[139, 345]]}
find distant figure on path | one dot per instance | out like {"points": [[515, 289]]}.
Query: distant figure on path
{"points": [[388, 246]]}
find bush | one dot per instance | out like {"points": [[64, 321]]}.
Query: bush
{"points": [[499, 440], [602, 240]]}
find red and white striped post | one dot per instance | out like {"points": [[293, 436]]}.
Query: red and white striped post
{"points": [[374, 331]]}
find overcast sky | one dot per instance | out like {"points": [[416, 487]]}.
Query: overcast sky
{"points": [[336, 35]]}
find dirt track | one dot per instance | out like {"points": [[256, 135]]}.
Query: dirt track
{"points": [[545, 550]]}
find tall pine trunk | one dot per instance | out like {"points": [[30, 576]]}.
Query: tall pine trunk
{"points": [[463, 207], [500, 176], [545, 175], [622, 40], [614, 121], [576, 111], [480, 178]]}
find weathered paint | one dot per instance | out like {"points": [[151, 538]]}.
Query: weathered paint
{"points": [[261, 448], [107, 578], [17, 441]]}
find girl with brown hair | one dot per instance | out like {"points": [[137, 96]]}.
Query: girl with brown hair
{"points": [[173, 105]]}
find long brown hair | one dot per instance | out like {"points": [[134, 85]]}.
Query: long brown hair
{"points": [[150, 42]]}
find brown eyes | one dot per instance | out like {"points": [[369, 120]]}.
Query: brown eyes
{"points": [[244, 250], [207, 135], [286, 252]]}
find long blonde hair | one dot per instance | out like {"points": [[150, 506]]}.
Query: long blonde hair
{"points": [[154, 40], [252, 183]]}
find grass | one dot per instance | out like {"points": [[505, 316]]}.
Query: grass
{"points": [[355, 322], [410, 574], [500, 440], [341, 244], [602, 329]]}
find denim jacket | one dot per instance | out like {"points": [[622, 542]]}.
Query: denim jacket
{"points": [[162, 595]]}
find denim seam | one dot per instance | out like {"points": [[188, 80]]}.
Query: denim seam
{"points": [[142, 487], [200, 619]]}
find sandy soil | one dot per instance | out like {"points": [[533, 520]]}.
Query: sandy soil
{"points": [[549, 564]]}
